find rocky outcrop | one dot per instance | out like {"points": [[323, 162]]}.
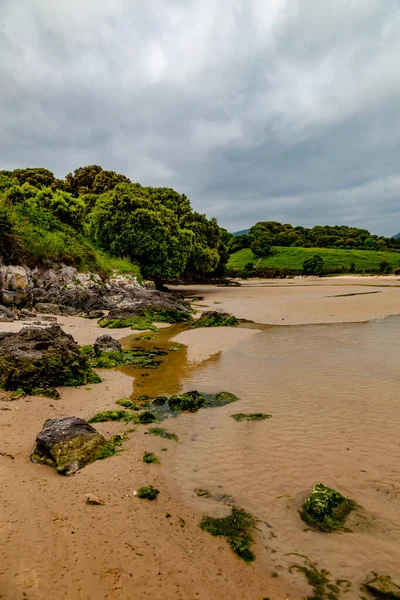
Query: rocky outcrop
{"points": [[106, 343], [6, 315], [67, 444], [66, 291], [42, 358]]}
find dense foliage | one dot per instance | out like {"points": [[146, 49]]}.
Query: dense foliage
{"points": [[45, 220], [273, 233]]}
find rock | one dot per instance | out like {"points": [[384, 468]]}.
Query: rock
{"points": [[92, 499], [67, 444], [382, 586], [48, 307], [42, 358], [6, 315], [106, 343], [94, 314], [49, 319], [14, 278]]}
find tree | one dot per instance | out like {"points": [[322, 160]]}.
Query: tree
{"points": [[262, 245], [36, 177], [314, 266]]}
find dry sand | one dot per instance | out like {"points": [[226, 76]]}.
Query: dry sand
{"points": [[301, 301], [53, 545]]}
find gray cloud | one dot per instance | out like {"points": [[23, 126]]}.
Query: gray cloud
{"points": [[256, 109]]}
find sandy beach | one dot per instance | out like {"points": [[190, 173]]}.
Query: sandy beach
{"points": [[321, 384]]}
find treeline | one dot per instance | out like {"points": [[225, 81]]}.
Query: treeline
{"points": [[265, 234], [46, 220]]}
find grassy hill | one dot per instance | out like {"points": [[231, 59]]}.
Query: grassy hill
{"points": [[336, 260]]}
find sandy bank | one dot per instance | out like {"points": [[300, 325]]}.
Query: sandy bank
{"points": [[303, 301]]}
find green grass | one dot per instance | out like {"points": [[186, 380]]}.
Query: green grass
{"points": [[293, 258], [123, 266]]}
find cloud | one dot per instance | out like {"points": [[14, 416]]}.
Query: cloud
{"points": [[256, 109]]}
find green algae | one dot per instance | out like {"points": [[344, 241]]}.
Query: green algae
{"points": [[145, 319], [235, 528], [382, 586], [250, 417], [123, 415], [163, 433], [147, 492], [111, 448], [326, 509], [140, 357], [18, 393], [216, 319], [175, 347], [113, 415], [48, 392], [319, 581], [150, 458], [190, 401], [127, 403]]}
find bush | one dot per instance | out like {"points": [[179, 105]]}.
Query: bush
{"points": [[314, 266], [385, 267]]}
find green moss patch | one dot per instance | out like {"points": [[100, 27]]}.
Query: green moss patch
{"points": [[382, 586], [163, 433], [236, 529], [111, 448], [175, 347], [250, 417], [123, 415], [48, 392], [319, 581], [141, 358], [127, 403], [151, 458], [326, 509], [145, 319], [216, 319], [190, 401], [148, 492]]}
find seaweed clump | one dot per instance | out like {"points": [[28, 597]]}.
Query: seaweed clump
{"points": [[145, 319], [148, 492], [111, 448], [163, 433], [189, 401], [213, 318], [123, 415], [382, 586], [326, 509], [250, 417], [143, 359], [235, 528], [151, 458], [320, 582], [126, 403]]}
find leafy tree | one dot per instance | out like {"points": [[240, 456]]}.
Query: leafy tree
{"points": [[36, 177], [262, 245], [314, 266], [92, 179]]}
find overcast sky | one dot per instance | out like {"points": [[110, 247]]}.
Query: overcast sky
{"points": [[283, 110]]}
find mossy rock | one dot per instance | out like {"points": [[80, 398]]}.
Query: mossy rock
{"points": [[382, 586], [236, 529], [326, 509], [213, 318], [189, 401], [127, 403], [67, 444], [139, 357], [36, 358], [123, 415], [250, 417], [148, 492]]}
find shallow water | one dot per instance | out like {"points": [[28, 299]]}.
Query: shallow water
{"points": [[333, 394]]}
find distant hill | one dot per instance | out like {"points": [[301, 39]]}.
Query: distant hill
{"points": [[393, 236], [246, 231]]}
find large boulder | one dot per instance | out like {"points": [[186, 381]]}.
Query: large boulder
{"points": [[42, 358], [67, 444], [106, 343]]}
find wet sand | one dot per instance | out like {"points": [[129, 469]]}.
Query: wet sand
{"points": [[332, 393]]}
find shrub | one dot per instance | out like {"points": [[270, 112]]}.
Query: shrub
{"points": [[314, 266]]}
